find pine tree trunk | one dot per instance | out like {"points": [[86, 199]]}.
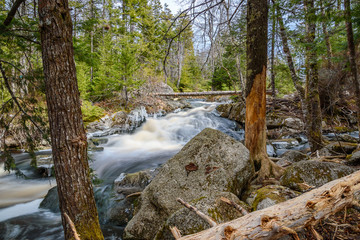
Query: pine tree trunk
{"points": [[255, 92], [329, 54], [352, 57], [273, 32], [68, 138], [313, 119], [290, 62]]}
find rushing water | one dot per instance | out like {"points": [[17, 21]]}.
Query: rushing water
{"points": [[157, 140]]}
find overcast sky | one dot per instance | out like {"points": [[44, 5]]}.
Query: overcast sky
{"points": [[173, 5]]}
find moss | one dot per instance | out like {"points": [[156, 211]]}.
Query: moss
{"points": [[266, 192], [342, 129], [215, 214]]}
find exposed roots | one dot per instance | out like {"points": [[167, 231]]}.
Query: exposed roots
{"points": [[268, 169]]}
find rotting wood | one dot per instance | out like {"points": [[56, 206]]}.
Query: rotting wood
{"points": [[175, 232], [199, 213], [295, 214], [234, 205]]}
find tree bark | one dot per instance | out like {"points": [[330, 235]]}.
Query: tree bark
{"points": [[288, 217], [273, 32], [68, 138], [352, 57], [294, 77], [329, 54], [313, 118], [255, 92]]}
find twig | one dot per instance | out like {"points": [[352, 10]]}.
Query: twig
{"points": [[15, 99], [199, 213], [315, 233], [175, 232], [134, 194], [72, 226], [234, 205]]}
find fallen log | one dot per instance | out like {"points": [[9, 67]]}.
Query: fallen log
{"points": [[287, 217], [188, 94]]}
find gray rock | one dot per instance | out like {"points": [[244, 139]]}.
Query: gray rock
{"points": [[224, 109], [338, 148], [354, 160], [188, 222], [270, 195], [237, 112], [210, 163], [51, 201], [347, 138], [290, 157], [128, 183], [313, 173], [294, 123], [99, 141]]}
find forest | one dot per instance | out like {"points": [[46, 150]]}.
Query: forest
{"points": [[95, 97]]}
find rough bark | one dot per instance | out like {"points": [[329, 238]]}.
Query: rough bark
{"points": [[352, 57], [294, 77], [255, 92], [272, 73], [68, 138], [287, 217], [313, 118], [329, 54]]}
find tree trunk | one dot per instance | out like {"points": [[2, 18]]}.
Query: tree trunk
{"points": [[329, 54], [352, 57], [290, 62], [255, 92], [68, 138], [288, 217], [273, 32], [313, 118]]}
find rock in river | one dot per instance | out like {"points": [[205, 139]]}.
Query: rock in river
{"points": [[210, 164]]}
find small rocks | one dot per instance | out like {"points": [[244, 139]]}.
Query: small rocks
{"points": [[270, 195]]}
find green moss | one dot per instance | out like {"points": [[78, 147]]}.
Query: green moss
{"points": [[342, 129], [266, 192]]}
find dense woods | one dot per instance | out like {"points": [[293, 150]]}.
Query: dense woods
{"points": [[65, 64]]}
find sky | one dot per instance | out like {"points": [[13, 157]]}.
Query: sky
{"points": [[173, 5]]}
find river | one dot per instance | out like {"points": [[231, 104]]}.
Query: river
{"points": [[156, 141]]}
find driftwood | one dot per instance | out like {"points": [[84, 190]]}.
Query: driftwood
{"points": [[286, 218], [188, 94], [209, 93]]}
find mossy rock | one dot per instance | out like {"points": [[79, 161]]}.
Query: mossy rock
{"points": [[313, 173], [271, 195], [188, 222], [210, 163], [224, 109], [338, 148], [99, 141], [353, 159], [290, 157]]}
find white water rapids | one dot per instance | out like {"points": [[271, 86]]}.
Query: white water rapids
{"points": [[157, 140]]}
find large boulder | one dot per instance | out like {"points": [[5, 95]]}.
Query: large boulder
{"points": [[211, 163], [313, 173], [188, 222]]}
